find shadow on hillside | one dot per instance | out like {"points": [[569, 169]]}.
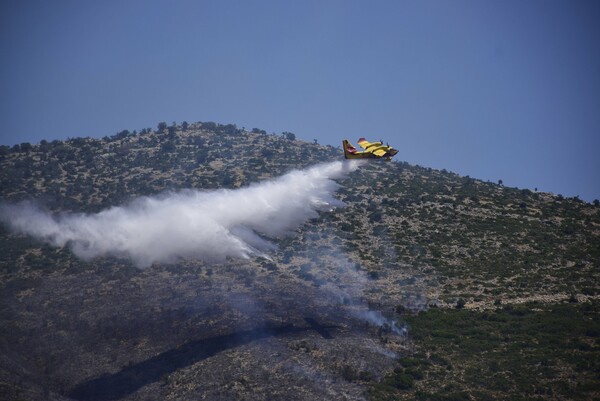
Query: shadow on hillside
{"points": [[132, 378]]}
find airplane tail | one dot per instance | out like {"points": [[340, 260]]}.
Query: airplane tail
{"points": [[349, 150]]}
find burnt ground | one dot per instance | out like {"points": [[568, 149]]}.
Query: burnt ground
{"points": [[190, 331]]}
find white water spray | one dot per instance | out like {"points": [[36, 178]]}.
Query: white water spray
{"points": [[208, 225]]}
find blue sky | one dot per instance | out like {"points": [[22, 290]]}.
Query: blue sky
{"points": [[492, 89]]}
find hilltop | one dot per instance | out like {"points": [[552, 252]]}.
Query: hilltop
{"points": [[496, 288]]}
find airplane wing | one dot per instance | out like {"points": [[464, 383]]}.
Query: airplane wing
{"points": [[378, 152], [364, 143], [372, 147]]}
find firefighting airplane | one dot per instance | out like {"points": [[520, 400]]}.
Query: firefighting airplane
{"points": [[372, 150]]}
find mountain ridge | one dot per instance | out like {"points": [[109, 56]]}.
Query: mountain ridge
{"points": [[414, 246]]}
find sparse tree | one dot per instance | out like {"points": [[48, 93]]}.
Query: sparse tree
{"points": [[168, 147], [162, 126], [123, 134], [209, 125], [26, 147], [228, 129], [44, 145]]}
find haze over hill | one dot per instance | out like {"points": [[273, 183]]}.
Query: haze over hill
{"points": [[420, 284]]}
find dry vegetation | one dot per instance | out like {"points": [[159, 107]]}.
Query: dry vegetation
{"points": [[498, 286]]}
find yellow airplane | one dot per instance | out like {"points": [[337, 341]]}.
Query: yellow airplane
{"points": [[372, 150]]}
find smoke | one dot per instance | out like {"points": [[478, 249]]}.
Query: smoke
{"points": [[377, 319], [343, 284], [208, 225]]}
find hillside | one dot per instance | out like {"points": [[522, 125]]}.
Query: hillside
{"points": [[426, 285]]}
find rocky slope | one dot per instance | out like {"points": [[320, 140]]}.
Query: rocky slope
{"points": [[426, 285]]}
